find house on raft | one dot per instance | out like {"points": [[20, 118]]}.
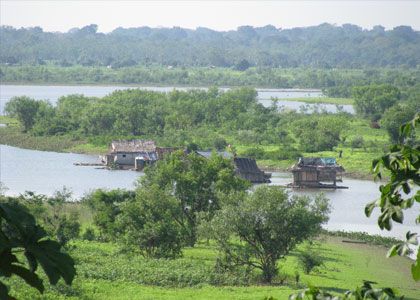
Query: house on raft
{"points": [[317, 172], [135, 154], [245, 168]]}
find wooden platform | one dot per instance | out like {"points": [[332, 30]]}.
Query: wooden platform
{"points": [[318, 186], [88, 164]]}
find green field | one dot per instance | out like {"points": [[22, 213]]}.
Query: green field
{"points": [[104, 272]]}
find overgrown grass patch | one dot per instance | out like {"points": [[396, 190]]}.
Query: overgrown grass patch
{"points": [[105, 272], [321, 100]]}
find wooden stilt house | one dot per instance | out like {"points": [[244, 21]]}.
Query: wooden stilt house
{"points": [[317, 172]]}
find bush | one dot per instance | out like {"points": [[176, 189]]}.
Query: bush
{"points": [[89, 234], [357, 142], [256, 152], [309, 259]]}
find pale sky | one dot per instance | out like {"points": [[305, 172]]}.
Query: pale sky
{"points": [[219, 15]]}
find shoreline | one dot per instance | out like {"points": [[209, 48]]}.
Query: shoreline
{"points": [[261, 89]]}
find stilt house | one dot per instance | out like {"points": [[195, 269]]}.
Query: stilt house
{"points": [[129, 154], [245, 168], [317, 172]]}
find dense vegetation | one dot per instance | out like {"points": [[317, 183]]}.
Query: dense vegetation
{"points": [[212, 119], [107, 270], [325, 46]]}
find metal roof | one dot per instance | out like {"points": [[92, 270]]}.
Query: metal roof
{"points": [[132, 146]]}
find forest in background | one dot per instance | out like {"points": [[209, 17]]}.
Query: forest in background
{"points": [[324, 46]]}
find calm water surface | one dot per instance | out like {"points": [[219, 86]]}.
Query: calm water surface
{"points": [[46, 172], [52, 93]]}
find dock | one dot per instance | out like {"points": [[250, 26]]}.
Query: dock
{"points": [[88, 164]]}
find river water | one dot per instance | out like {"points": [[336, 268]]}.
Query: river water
{"points": [[52, 93], [45, 172]]}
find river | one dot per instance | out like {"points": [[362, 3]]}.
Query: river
{"points": [[53, 93], [45, 172]]}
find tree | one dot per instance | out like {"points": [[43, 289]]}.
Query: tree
{"points": [[393, 118], [403, 163], [19, 231], [319, 133], [372, 101], [242, 65], [149, 223], [24, 109], [196, 184], [269, 223], [107, 206]]}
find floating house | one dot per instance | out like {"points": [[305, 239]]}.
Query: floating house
{"points": [[317, 172], [245, 168], [135, 154]]}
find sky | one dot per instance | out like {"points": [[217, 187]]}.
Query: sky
{"points": [[61, 15]]}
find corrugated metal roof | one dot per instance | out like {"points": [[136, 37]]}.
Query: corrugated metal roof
{"points": [[132, 146]]}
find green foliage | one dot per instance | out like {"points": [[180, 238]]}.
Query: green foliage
{"points": [[89, 234], [403, 162], [373, 239], [269, 224], [58, 224], [107, 206], [255, 152], [266, 47], [50, 213], [339, 92], [149, 224], [372, 101], [393, 118], [357, 142], [24, 109], [366, 291], [309, 259], [319, 133], [196, 183], [18, 230], [219, 143], [242, 65]]}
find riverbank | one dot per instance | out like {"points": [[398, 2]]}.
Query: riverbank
{"points": [[356, 161]]}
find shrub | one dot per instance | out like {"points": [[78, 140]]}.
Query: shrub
{"points": [[255, 152], [309, 259], [357, 142], [89, 234]]}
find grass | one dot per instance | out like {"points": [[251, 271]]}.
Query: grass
{"points": [[325, 100], [14, 136], [106, 273]]}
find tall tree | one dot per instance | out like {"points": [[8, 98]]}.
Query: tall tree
{"points": [[24, 109], [196, 183], [269, 224], [372, 101]]}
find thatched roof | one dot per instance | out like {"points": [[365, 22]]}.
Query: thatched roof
{"points": [[132, 146]]}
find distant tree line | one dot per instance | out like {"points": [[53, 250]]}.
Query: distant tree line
{"points": [[325, 46], [335, 83]]}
